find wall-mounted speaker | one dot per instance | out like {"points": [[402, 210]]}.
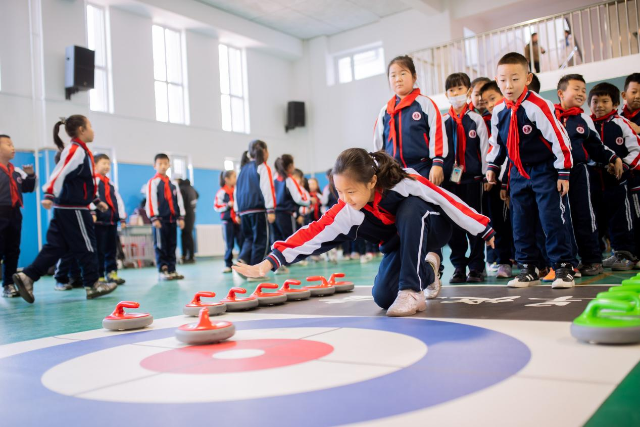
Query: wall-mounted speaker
{"points": [[79, 69], [295, 115]]}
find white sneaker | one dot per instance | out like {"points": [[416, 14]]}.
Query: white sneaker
{"points": [[407, 303], [282, 270], [366, 258], [333, 256], [433, 289]]}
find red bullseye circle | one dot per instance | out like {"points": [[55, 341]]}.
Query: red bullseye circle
{"points": [[201, 360]]}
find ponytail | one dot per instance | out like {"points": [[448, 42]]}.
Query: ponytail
{"points": [[362, 166], [282, 164], [245, 159], [255, 152], [222, 178], [71, 126]]}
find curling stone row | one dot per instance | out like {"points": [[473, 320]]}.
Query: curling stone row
{"points": [[612, 318]]}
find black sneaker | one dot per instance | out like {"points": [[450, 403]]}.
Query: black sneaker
{"points": [[475, 276], [528, 277], [100, 288], [76, 282], [459, 276], [592, 269], [564, 277], [9, 291]]}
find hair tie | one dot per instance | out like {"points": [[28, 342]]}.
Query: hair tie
{"points": [[375, 162], [63, 120]]}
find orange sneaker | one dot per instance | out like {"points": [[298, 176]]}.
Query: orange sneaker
{"points": [[549, 277]]}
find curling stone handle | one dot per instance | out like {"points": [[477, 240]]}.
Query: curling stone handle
{"points": [[290, 282], [318, 279], [233, 291], [333, 277], [621, 296], [122, 305], [262, 286], [594, 307], [203, 318], [203, 294]]}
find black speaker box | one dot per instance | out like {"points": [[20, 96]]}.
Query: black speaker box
{"points": [[295, 115], [79, 69]]}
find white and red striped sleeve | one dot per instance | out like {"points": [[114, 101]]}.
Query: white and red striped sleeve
{"points": [[152, 199], [122, 212], [541, 112], [334, 227], [266, 186], [483, 137], [219, 204], [438, 145], [71, 158], [457, 210], [631, 141], [298, 194], [378, 131]]}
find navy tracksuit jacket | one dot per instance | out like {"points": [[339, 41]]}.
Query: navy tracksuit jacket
{"points": [[223, 203], [107, 225]]}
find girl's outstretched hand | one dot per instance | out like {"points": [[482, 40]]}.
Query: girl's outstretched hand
{"points": [[258, 270]]}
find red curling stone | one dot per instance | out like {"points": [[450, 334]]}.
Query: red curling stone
{"points": [[121, 321], [320, 290], [193, 308], [205, 332], [341, 286], [239, 304], [269, 298], [295, 294]]}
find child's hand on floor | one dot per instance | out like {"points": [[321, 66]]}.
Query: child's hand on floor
{"points": [[563, 187], [258, 270], [181, 224]]}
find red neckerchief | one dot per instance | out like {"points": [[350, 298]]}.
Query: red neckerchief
{"points": [[563, 114], [385, 217], [90, 154], [304, 195], [461, 138], [393, 109], [107, 190], [513, 141], [627, 114], [316, 207], [602, 120], [167, 192], [229, 191], [15, 195]]}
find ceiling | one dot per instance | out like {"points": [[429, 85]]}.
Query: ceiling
{"points": [[306, 19]]}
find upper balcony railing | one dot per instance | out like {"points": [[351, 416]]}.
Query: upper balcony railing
{"points": [[589, 34]]}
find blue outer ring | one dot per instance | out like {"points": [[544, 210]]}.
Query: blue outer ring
{"points": [[462, 359]]}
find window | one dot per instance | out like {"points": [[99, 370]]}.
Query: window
{"points": [[169, 75], [180, 167], [360, 65], [235, 108], [98, 41]]}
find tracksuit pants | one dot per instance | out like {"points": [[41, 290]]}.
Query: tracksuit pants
{"points": [[10, 234], [421, 229], [232, 234], [284, 226], [106, 237], [534, 198], [71, 232], [255, 230], [500, 215], [634, 201], [471, 194], [617, 212], [165, 240], [188, 244], [67, 269], [583, 216]]}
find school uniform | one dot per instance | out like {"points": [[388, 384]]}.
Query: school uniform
{"points": [[616, 133], [411, 131], [72, 189], [223, 203], [408, 221], [164, 203], [13, 182], [468, 145], [328, 198], [289, 197], [539, 150], [107, 224], [254, 199], [634, 182], [586, 147], [313, 212]]}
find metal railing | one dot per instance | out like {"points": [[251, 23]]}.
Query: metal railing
{"points": [[589, 34]]}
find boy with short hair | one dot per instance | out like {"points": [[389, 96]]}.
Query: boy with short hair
{"points": [[465, 166], [106, 223], [13, 182], [165, 208], [617, 134], [585, 146], [525, 128], [476, 103], [631, 96]]}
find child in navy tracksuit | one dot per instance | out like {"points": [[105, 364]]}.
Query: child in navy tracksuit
{"points": [[409, 127], [400, 209], [314, 212], [524, 127], [255, 202], [107, 222], [223, 203], [468, 145], [70, 190], [617, 134], [586, 146], [476, 103], [13, 182], [165, 208], [289, 197]]}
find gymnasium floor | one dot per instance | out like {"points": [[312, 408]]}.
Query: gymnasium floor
{"points": [[480, 355]]}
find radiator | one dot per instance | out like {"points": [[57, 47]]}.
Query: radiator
{"points": [[209, 240]]}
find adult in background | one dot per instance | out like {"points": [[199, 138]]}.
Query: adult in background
{"points": [[190, 197]]}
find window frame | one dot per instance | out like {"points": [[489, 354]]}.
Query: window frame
{"points": [[107, 67], [245, 94], [337, 58], [183, 75]]}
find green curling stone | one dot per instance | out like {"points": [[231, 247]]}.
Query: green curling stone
{"points": [[635, 280], [608, 321]]}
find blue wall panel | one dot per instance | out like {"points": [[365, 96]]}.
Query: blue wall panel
{"points": [[29, 242]]}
